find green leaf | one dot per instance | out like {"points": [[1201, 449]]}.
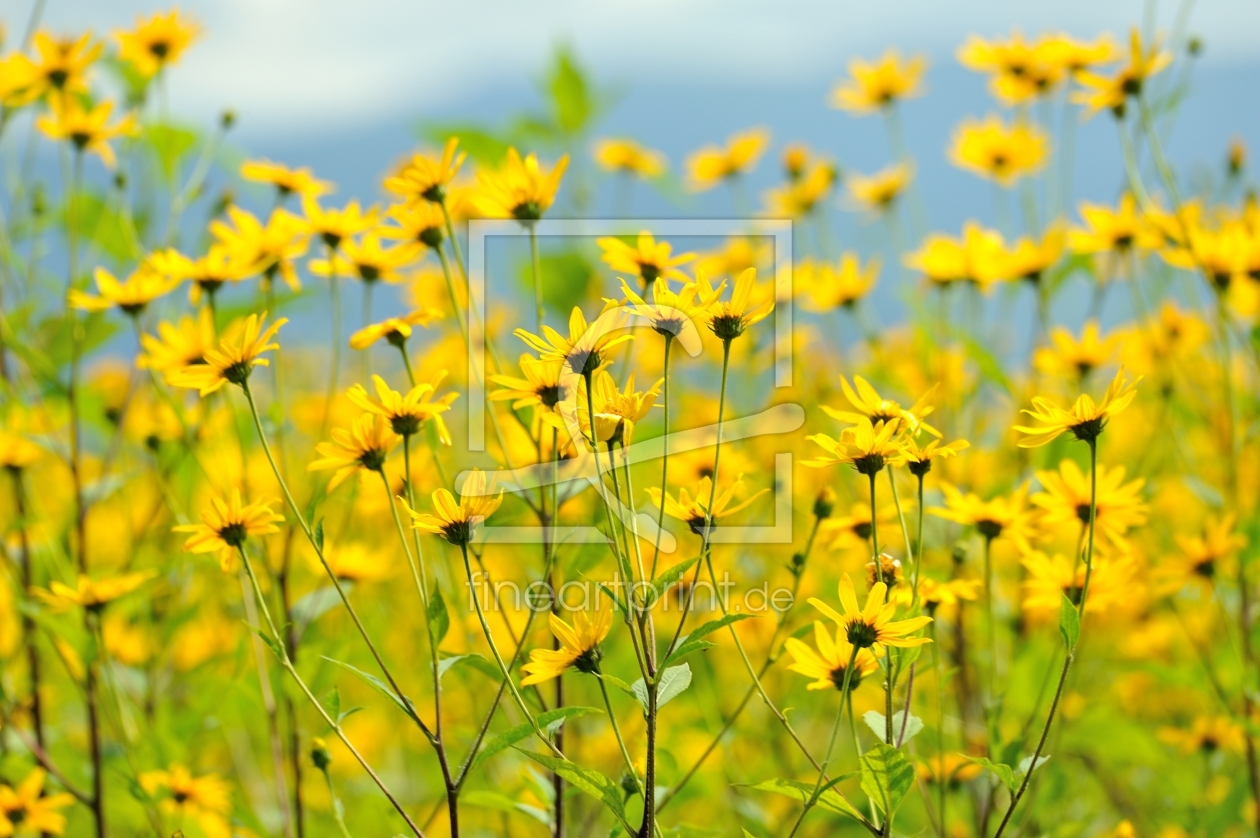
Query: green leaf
{"points": [[439, 620], [886, 777], [618, 683], [693, 642], [670, 577], [1026, 765], [829, 799], [481, 144], [510, 737], [1069, 622], [567, 276], [1003, 772], [333, 700], [319, 535], [875, 721], [266, 638], [671, 682], [402, 702], [572, 101], [472, 659], [584, 779], [494, 800], [170, 144]]}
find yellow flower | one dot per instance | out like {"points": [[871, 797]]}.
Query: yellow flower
{"points": [[1113, 92], [1207, 735], [616, 411], [156, 42], [141, 288], [19, 81], [749, 304], [226, 525], [407, 413], [866, 447], [333, 226], [178, 345], [541, 386], [87, 130], [670, 312], [1001, 516], [520, 188], [871, 627], [870, 405], [579, 647], [1029, 259], [367, 260], [1067, 356], [951, 769], [421, 222], [16, 452], [934, 594], [875, 86], [233, 361], [456, 522], [827, 286], [205, 800], [1085, 419], [827, 666], [92, 594], [354, 562], [1050, 578], [300, 182], [270, 249], [992, 150], [26, 810], [977, 258], [1021, 71], [878, 193], [1066, 499], [694, 508], [711, 165], [365, 445], [799, 197], [628, 157], [61, 64], [918, 459], [1118, 231], [647, 259], [585, 350], [427, 178], [394, 330], [854, 530], [1205, 555], [207, 273]]}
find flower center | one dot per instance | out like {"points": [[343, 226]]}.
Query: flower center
{"points": [[862, 634]]}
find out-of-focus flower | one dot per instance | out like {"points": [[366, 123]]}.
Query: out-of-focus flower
{"points": [[426, 177], [178, 345], [271, 249], [693, 508], [1066, 500], [287, 181], [131, 296], [1085, 419], [628, 157], [827, 286], [156, 42], [204, 800], [579, 647], [333, 226], [26, 810], [87, 129], [993, 150], [647, 259], [1002, 516], [393, 330], [367, 260], [1121, 230], [977, 258], [1068, 357], [61, 64], [878, 193], [520, 188], [713, 164], [92, 594], [874, 86], [1113, 92]]}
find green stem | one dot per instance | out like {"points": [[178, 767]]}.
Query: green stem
{"points": [[533, 257], [660, 513], [831, 743]]}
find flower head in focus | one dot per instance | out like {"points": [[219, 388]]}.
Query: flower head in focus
{"points": [[393, 330], [865, 446], [364, 445], [872, 627], [427, 177], [1085, 418], [407, 412], [828, 666], [749, 304], [693, 508], [233, 360], [457, 522], [227, 524], [579, 647], [647, 258]]}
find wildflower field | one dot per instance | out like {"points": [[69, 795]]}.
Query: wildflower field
{"points": [[587, 526]]}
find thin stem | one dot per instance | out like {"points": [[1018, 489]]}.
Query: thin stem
{"points": [[660, 513], [533, 257], [621, 743], [831, 743]]}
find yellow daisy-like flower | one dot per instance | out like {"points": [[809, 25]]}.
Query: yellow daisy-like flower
{"points": [[616, 411], [1121, 230], [951, 769], [801, 196], [408, 412], [918, 459], [426, 177], [1066, 499], [1001, 153], [207, 274], [1050, 578], [875, 86], [365, 445], [541, 386], [456, 522], [131, 296], [1204, 555], [579, 647], [301, 182], [1021, 70], [232, 361], [520, 188], [712, 164], [647, 259], [26, 810], [978, 257], [934, 594], [866, 447], [86, 129], [854, 529], [421, 222], [827, 286], [394, 330], [585, 350], [269, 249], [1000, 516], [1029, 259], [869, 404], [749, 304], [156, 42], [872, 627], [1085, 419], [333, 226], [178, 345], [368, 260], [205, 800], [628, 157], [671, 313], [226, 525], [61, 64], [17, 453], [830, 663], [1113, 92], [92, 594], [1206, 735], [878, 193], [1067, 356], [693, 508]]}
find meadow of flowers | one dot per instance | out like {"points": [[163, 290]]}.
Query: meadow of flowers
{"points": [[966, 574]]}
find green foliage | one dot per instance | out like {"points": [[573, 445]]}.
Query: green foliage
{"points": [[886, 777]]}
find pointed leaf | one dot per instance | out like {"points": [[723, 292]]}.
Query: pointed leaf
{"points": [[886, 777], [403, 703], [1069, 622], [439, 620], [1000, 770], [591, 782], [513, 735], [875, 721]]}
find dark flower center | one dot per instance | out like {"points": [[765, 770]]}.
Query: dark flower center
{"points": [[862, 634], [588, 661], [238, 372], [989, 529], [233, 534], [837, 678]]}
